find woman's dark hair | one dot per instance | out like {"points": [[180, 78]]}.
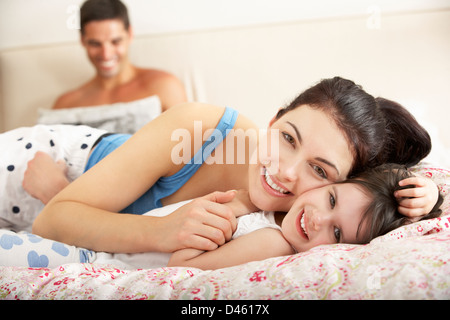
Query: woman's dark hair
{"points": [[382, 214], [407, 141], [378, 130], [96, 10]]}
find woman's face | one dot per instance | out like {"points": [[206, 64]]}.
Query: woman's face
{"points": [[330, 214], [312, 152]]}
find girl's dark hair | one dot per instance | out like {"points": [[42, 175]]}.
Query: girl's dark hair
{"points": [[379, 130], [382, 214], [96, 10]]}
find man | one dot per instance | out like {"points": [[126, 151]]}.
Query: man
{"points": [[106, 35]]}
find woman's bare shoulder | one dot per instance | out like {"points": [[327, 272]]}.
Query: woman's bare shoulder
{"points": [[207, 115]]}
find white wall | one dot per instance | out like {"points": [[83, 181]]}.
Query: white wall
{"points": [[390, 47], [33, 22]]}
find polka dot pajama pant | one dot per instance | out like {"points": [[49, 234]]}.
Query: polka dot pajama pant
{"points": [[72, 143]]}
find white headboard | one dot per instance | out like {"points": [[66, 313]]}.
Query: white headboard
{"points": [[261, 68]]}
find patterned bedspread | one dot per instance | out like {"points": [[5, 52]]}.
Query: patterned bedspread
{"points": [[412, 262]]}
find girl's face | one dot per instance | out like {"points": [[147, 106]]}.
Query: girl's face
{"points": [[312, 152], [330, 214]]}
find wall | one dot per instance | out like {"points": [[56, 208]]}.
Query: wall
{"points": [[34, 22], [397, 49]]}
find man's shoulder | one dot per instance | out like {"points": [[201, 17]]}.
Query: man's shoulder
{"points": [[67, 100], [72, 98], [152, 76]]}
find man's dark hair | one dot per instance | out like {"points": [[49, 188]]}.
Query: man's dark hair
{"points": [[97, 10]]}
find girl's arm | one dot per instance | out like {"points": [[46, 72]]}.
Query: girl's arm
{"points": [[85, 212], [44, 177], [420, 200], [241, 203], [255, 246]]}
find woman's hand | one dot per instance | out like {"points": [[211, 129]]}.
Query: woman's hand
{"points": [[419, 200], [206, 223], [203, 224], [44, 177]]}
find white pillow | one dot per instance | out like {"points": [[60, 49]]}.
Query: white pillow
{"points": [[121, 117]]}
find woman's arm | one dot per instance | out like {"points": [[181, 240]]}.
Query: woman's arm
{"points": [[84, 213], [255, 246], [204, 224]]}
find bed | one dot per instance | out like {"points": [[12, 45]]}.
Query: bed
{"points": [[412, 262]]}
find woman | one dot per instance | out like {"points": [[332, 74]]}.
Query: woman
{"points": [[331, 131]]}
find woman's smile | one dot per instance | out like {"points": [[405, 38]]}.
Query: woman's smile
{"points": [[272, 185]]}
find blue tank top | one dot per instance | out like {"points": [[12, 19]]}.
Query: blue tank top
{"points": [[165, 186]]}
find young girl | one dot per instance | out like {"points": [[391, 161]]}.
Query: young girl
{"points": [[330, 132], [354, 211]]}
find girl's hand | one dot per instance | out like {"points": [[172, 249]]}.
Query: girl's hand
{"points": [[203, 224], [419, 200], [44, 177], [241, 204]]}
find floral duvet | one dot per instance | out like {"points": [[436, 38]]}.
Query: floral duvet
{"points": [[411, 262]]}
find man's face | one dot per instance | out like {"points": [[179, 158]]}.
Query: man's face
{"points": [[106, 43]]}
